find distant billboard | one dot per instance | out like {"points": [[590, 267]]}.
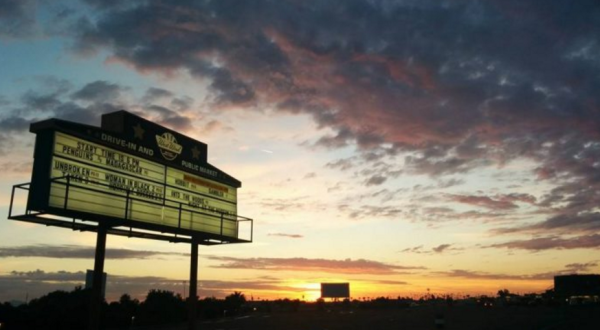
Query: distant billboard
{"points": [[132, 172], [335, 290]]}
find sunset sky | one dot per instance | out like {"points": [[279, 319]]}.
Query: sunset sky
{"points": [[402, 146]]}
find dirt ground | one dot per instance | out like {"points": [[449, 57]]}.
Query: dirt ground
{"points": [[464, 318]]}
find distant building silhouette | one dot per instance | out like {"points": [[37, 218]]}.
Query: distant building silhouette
{"points": [[577, 285]]}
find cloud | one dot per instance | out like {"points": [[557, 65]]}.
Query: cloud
{"points": [[39, 275], [389, 282], [367, 211], [448, 99], [415, 249], [57, 98], [310, 175], [286, 235], [561, 224], [483, 201], [442, 248], [347, 266], [98, 91], [493, 276], [553, 243], [14, 124], [17, 19], [413, 98], [16, 167], [167, 117], [568, 269], [155, 94], [341, 164], [16, 285], [581, 267], [456, 88], [78, 252], [375, 180]]}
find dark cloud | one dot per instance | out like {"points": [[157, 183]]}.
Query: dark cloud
{"points": [[434, 215], [227, 88], [286, 235], [435, 250], [20, 285], [47, 95], [347, 266], [483, 201], [458, 84], [17, 18], [79, 252], [341, 164], [494, 276], [367, 211], [50, 99], [498, 202], [441, 248], [581, 267], [154, 94], [446, 87], [39, 275], [16, 285], [98, 91], [182, 103], [442, 166], [415, 249], [389, 282], [13, 124], [167, 117], [560, 224], [568, 269], [553, 243], [486, 83], [57, 98], [375, 180], [450, 183], [339, 140]]}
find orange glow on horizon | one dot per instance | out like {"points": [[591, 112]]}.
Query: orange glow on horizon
{"points": [[360, 290]]}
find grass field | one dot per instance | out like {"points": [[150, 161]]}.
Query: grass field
{"points": [[463, 317]]}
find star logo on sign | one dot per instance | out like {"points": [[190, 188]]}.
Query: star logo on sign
{"points": [[195, 153], [138, 132]]}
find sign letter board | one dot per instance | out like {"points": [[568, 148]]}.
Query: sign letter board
{"points": [[131, 172]]}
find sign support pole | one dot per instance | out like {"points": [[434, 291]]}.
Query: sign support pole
{"points": [[193, 296], [97, 298]]}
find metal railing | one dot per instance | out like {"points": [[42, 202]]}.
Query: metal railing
{"points": [[195, 216]]}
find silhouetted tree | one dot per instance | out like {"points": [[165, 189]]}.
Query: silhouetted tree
{"points": [[503, 294], [121, 314], [211, 307], [56, 310], [320, 304], [234, 302], [161, 307]]}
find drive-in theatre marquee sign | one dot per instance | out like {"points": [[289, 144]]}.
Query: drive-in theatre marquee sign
{"points": [[133, 173], [134, 178]]}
